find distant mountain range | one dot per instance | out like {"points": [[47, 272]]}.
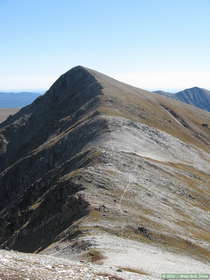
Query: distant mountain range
{"points": [[196, 96], [17, 99]]}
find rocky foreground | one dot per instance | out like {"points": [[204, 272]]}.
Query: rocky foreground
{"points": [[19, 266]]}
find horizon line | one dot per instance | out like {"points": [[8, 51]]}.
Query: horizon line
{"points": [[42, 90]]}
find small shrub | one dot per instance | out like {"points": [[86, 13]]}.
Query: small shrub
{"points": [[94, 256]]}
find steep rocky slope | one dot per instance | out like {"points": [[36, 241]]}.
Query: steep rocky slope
{"points": [[97, 170]]}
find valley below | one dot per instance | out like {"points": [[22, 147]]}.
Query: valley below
{"points": [[5, 113]]}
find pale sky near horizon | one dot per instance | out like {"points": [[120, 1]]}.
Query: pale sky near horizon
{"points": [[152, 44]]}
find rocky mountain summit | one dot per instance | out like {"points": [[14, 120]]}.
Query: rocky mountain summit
{"points": [[98, 171]]}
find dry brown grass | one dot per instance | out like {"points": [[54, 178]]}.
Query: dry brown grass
{"points": [[35, 205], [182, 245], [70, 175], [134, 270], [94, 256], [164, 240], [196, 182], [94, 215], [141, 106], [187, 224], [201, 235]]}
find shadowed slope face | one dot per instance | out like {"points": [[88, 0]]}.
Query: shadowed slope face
{"points": [[96, 157], [73, 95], [36, 150], [196, 96]]}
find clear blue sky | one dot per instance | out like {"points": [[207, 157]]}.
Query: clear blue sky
{"points": [[151, 43]]}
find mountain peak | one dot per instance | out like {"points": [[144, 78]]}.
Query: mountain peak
{"points": [[95, 162], [196, 96], [75, 73], [79, 69], [193, 89], [74, 80]]}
